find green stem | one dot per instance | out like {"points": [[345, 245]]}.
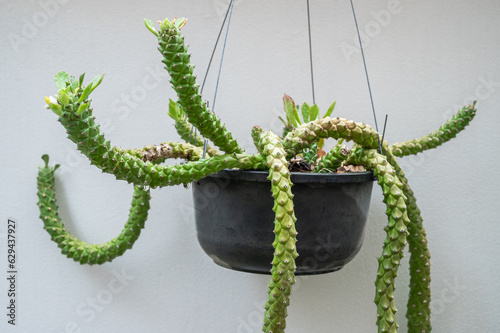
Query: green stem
{"points": [[158, 153], [285, 252], [257, 132], [445, 133], [76, 116], [185, 129], [396, 230], [71, 246], [178, 64], [337, 128], [419, 302], [331, 161]]}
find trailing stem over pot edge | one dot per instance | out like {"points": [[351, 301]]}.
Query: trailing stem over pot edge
{"points": [[142, 167]]}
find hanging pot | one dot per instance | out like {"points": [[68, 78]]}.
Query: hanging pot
{"points": [[235, 220]]}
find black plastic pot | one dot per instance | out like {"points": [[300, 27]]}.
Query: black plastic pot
{"points": [[235, 220]]}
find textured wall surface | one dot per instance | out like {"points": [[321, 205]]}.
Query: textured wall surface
{"points": [[425, 59]]}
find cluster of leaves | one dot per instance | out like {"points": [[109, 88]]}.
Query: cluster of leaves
{"points": [[68, 86], [293, 120]]}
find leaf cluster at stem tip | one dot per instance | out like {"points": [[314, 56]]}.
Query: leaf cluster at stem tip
{"points": [[68, 89], [176, 23]]}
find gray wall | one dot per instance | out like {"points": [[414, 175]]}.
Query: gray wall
{"points": [[426, 59]]}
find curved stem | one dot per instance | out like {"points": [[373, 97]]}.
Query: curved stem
{"points": [[306, 134], [71, 246], [75, 114], [333, 160], [419, 301], [445, 133], [185, 129], [396, 230]]}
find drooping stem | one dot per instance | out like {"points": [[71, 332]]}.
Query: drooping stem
{"points": [[419, 302], [71, 246], [140, 167], [285, 252], [396, 230]]}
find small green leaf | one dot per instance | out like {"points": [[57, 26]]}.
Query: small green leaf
{"points": [[96, 82], [82, 108], [330, 110], [313, 112], [290, 110], [173, 110], [297, 118], [61, 79], [150, 26], [56, 108], [321, 143], [73, 83], [80, 81], [284, 122], [63, 97], [164, 24], [45, 158], [85, 93], [305, 112], [54, 105], [179, 22]]}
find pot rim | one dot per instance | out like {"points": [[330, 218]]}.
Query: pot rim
{"points": [[297, 177]]}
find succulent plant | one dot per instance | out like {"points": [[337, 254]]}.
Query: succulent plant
{"points": [[142, 168]]}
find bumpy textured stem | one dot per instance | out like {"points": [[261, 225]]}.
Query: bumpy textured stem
{"points": [[70, 245], [83, 130], [285, 252], [306, 134], [445, 133], [396, 229], [167, 150], [184, 130], [419, 302], [177, 63], [418, 307], [257, 132], [333, 160]]}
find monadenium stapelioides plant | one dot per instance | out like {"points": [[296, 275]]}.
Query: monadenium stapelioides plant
{"points": [[302, 138]]}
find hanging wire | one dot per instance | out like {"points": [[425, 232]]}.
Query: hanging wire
{"points": [[190, 134], [310, 50], [205, 143], [366, 73], [228, 14], [215, 47], [231, 6], [383, 131]]}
